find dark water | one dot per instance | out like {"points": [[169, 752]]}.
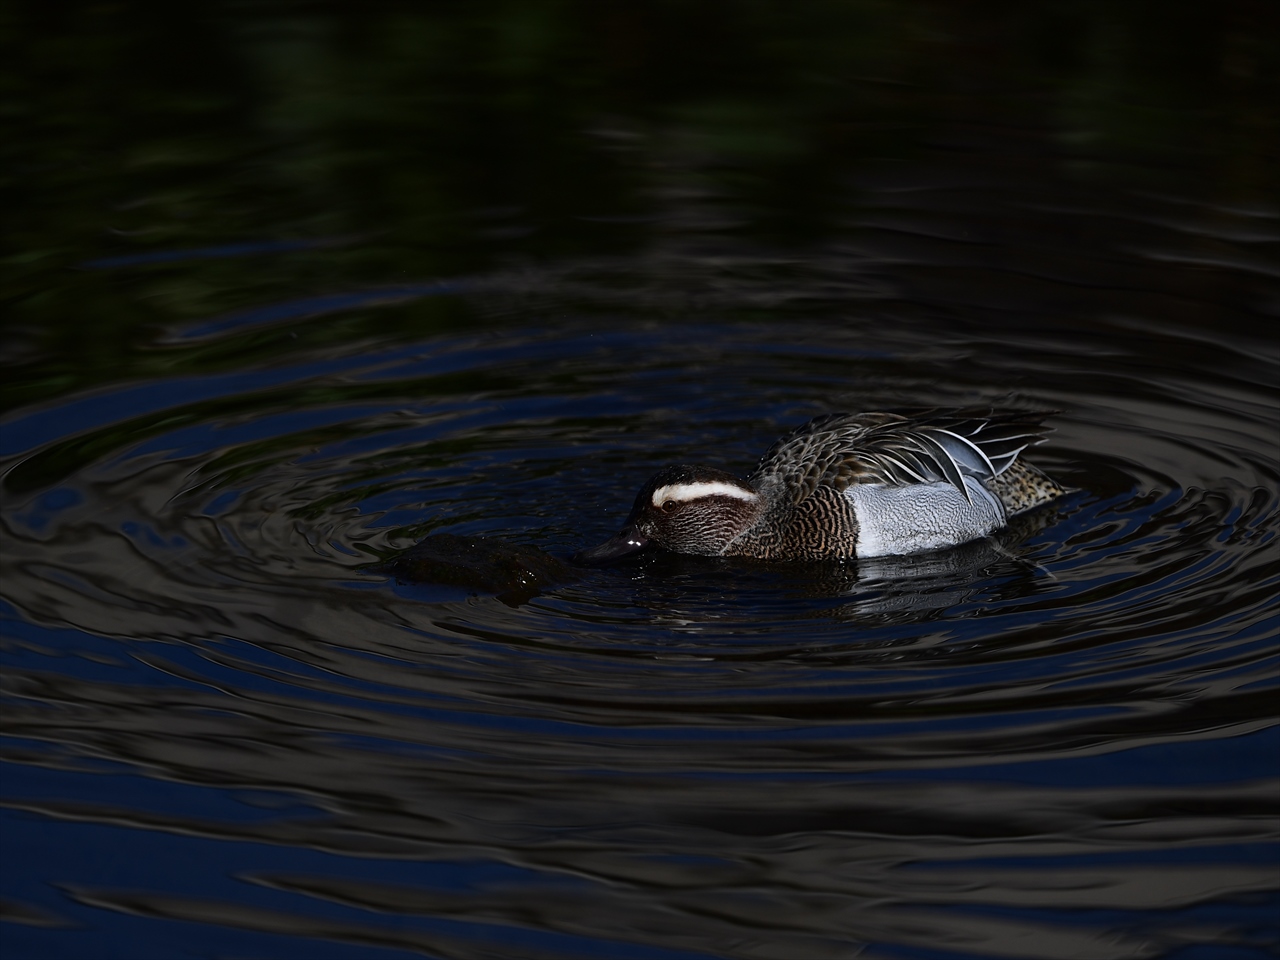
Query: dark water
{"points": [[290, 288]]}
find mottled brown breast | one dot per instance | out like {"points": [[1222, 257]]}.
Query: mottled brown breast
{"points": [[822, 526]]}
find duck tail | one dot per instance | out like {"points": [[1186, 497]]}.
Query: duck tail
{"points": [[1021, 487]]}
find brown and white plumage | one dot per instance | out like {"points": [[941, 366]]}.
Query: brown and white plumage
{"points": [[839, 449], [849, 485]]}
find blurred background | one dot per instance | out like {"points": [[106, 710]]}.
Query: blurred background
{"points": [[289, 285], [409, 141]]}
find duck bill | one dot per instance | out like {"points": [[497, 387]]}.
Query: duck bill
{"points": [[627, 542]]}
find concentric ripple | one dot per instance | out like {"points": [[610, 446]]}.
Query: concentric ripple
{"points": [[1051, 744]]}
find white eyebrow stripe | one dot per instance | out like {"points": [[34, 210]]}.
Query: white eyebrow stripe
{"points": [[680, 492]]}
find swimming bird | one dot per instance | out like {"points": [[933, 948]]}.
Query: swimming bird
{"points": [[844, 486]]}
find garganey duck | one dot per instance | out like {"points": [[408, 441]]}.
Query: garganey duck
{"points": [[848, 485]]}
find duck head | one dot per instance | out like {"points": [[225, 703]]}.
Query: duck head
{"points": [[686, 508]]}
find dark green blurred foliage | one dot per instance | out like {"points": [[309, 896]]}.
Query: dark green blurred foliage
{"points": [[449, 139]]}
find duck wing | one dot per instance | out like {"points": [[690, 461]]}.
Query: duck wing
{"points": [[928, 446]]}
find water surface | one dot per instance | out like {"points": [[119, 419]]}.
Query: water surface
{"points": [[226, 735]]}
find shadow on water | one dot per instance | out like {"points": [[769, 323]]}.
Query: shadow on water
{"points": [[236, 385]]}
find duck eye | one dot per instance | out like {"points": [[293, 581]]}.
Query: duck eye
{"points": [[668, 506]]}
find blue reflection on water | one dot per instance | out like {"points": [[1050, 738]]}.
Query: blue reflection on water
{"points": [[211, 869]]}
